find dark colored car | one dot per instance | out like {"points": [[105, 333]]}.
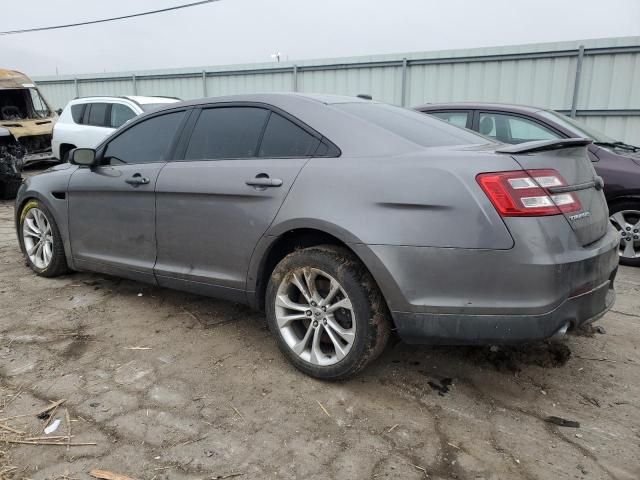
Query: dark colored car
{"points": [[342, 218], [618, 163]]}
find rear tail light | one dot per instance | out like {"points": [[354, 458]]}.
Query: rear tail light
{"points": [[524, 193]]}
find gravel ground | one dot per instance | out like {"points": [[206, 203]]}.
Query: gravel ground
{"points": [[175, 386]]}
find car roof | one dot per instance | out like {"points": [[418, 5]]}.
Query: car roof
{"points": [[278, 99], [506, 107], [139, 99]]}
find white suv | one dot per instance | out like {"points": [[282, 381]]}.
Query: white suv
{"points": [[85, 122]]}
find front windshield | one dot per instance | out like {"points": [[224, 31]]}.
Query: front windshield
{"points": [[39, 105], [577, 128]]}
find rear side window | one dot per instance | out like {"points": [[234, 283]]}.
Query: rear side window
{"points": [[120, 114], [512, 128], [145, 142], [226, 132], [77, 111], [283, 138], [457, 118], [98, 114], [414, 126]]}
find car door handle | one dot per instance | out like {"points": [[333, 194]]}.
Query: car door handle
{"points": [[137, 179], [264, 182]]}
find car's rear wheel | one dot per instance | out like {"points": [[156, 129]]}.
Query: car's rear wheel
{"points": [[625, 216], [41, 241], [326, 312]]}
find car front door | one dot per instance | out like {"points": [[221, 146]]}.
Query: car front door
{"points": [[513, 128], [112, 205], [217, 201], [459, 118]]}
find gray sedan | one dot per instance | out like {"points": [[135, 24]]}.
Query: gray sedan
{"points": [[342, 218]]}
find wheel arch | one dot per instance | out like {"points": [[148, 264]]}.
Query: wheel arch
{"points": [[273, 248], [64, 148], [59, 217], [623, 198]]}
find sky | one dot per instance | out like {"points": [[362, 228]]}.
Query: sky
{"points": [[248, 31]]}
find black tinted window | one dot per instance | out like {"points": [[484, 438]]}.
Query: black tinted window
{"points": [[98, 114], [145, 142], [413, 126], [283, 138], [77, 111], [227, 132], [120, 114]]}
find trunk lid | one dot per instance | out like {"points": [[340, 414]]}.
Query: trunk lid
{"points": [[569, 157]]}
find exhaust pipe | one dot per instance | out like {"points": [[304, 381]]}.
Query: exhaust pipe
{"points": [[559, 335]]}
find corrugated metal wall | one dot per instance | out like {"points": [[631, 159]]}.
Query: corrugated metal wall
{"points": [[607, 95]]}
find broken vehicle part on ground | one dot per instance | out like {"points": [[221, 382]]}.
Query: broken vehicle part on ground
{"points": [[11, 157], [26, 114]]}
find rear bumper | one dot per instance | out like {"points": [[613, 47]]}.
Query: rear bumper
{"points": [[476, 296], [505, 329]]}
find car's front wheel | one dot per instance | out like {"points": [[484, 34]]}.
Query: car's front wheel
{"points": [[40, 240], [625, 216], [326, 312]]}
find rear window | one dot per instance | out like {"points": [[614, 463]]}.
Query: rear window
{"points": [[98, 114], [411, 125], [77, 111], [226, 132]]}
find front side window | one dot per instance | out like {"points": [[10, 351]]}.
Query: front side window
{"points": [[283, 138], [98, 114], [457, 118], [120, 114], [513, 129], [146, 142], [226, 132]]}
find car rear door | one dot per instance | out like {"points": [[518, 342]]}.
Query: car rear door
{"points": [[112, 206], [214, 205], [95, 125], [569, 157]]}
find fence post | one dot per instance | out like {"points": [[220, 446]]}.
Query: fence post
{"points": [[576, 84], [133, 82], [204, 83], [294, 80], [75, 85], [403, 85]]}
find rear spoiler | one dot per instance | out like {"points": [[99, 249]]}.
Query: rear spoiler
{"points": [[543, 145]]}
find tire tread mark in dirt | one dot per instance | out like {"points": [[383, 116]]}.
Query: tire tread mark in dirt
{"points": [[551, 429]]}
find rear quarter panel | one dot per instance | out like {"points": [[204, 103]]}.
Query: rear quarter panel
{"points": [[429, 198]]}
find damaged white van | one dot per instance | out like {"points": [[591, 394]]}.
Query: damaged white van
{"points": [[26, 115]]}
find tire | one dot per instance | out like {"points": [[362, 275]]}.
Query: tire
{"points": [[625, 216], [30, 233], [344, 334]]}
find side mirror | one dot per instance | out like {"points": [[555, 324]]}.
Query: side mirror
{"points": [[83, 156]]}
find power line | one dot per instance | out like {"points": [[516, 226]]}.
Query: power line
{"points": [[56, 27]]}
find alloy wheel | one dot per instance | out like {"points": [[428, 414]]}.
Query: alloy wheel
{"points": [[627, 222], [38, 238], [315, 316]]}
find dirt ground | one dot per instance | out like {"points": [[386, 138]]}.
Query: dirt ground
{"points": [[175, 386]]}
